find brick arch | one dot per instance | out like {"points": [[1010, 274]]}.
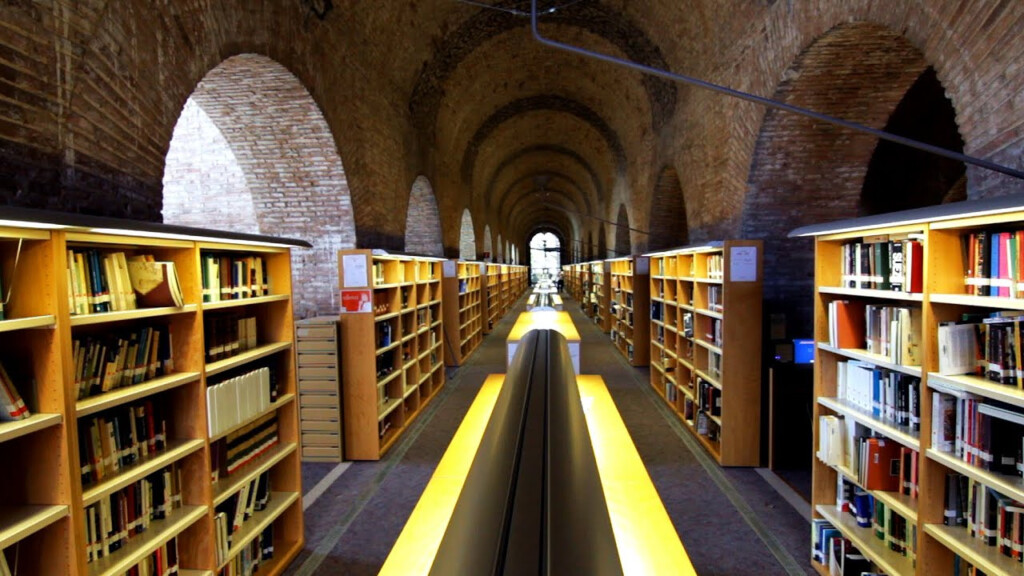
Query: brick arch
{"points": [[488, 245], [803, 171], [423, 221], [278, 156], [500, 248], [467, 237], [588, 247], [602, 242], [623, 245], [667, 223]]}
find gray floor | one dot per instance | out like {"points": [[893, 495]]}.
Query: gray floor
{"points": [[731, 521]]}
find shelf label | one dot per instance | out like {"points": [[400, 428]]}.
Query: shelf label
{"points": [[449, 268], [356, 301], [354, 267], [743, 264]]}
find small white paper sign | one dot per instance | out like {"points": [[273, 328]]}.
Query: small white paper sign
{"points": [[643, 265], [743, 264], [354, 266], [449, 268]]}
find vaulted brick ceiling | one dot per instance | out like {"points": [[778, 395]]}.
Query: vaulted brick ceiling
{"points": [[534, 137]]}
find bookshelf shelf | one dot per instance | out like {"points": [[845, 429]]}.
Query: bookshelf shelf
{"points": [[121, 396], [45, 321], [630, 290], [687, 289], [900, 503], [864, 539], [224, 488], [876, 359], [239, 302], [984, 557], [282, 401], [383, 388], [251, 528], [121, 316], [901, 434], [866, 293], [263, 351], [11, 430], [20, 522], [175, 450], [189, 572], [46, 357], [948, 252], [142, 545]]}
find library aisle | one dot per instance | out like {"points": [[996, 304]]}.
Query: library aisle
{"points": [[730, 520]]}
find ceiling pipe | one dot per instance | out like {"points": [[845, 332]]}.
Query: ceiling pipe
{"points": [[980, 162]]}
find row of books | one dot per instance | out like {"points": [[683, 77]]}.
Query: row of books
{"points": [[887, 525], [892, 262], [12, 405], [249, 559], [988, 347], [112, 281], [716, 266], [982, 432], [243, 446], [716, 301], [238, 399], [831, 549], [161, 562], [232, 277], [228, 335], [992, 263], [877, 462], [990, 517], [116, 360], [709, 398], [118, 438], [232, 513], [713, 334], [117, 518], [890, 331], [888, 396]]}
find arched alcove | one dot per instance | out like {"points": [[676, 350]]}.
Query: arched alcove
{"points": [[804, 171], [602, 242], [423, 221], [501, 249], [667, 223], [623, 246], [251, 152], [488, 245], [467, 237]]}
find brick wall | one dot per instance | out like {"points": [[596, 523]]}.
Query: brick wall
{"points": [[667, 225], [623, 247], [423, 222], [293, 181], [467, 237]]}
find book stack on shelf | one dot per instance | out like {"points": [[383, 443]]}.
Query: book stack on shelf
{"points": [[319, 364], [600, 290], [463, 309], [116, 390], [918, 368], [402, 333], [705, 343], [628, 305]]}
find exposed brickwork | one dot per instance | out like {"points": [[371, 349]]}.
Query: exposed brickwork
{"points": [[667, 225], [467, 238], [423, 221], [623, 246]]}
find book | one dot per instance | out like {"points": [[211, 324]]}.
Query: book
{"points": [[154, 284], [12, 406], [957, 348], [847, 324]]}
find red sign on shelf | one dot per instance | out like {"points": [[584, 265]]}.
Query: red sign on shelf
{"points": [[356, 301]]}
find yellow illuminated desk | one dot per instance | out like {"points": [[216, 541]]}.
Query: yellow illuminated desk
{"points": [[646, 540], [556, 301], [545, 319]]}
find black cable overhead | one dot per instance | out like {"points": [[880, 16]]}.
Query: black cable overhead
{"points": [[882, 134]]}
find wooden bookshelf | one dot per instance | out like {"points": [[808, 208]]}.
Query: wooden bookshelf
{"points": [[600, 295], [944, 296], [493, 296], [463, 304], [403, 334], [705, 333], [43, 506], [629, 307]]}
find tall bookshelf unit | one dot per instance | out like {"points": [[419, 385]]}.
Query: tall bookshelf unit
{"points": [[705, 337], [519, 280], [45, 505], [945, 295], [493, 296], [463, 309], [600, 294], [583, 274], [628, 304], [404, 335]]}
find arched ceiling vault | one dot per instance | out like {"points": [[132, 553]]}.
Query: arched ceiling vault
{"points": [[541, 159]]}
